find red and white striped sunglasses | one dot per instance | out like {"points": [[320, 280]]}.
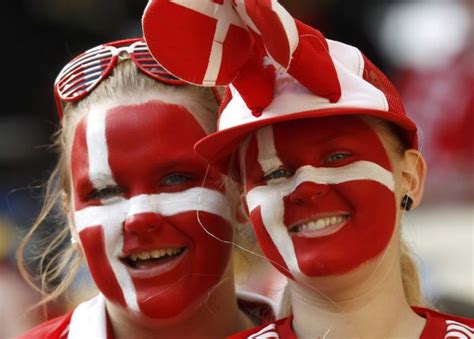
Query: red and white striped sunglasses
{"points": [[83, 73]]}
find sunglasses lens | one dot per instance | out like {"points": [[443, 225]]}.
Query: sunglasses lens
{"points": [[83, 73], [147, 64]]}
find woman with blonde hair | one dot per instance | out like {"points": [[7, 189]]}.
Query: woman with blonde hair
{"points": [[157, 240], [328, 162]]}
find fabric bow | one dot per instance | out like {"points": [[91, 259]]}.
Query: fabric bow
{"points": [[242, 43]]}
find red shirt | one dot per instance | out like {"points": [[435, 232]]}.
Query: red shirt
{"points": [[438, 326], [90, 320]]}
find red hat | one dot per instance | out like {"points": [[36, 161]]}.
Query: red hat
{"points": [[277, 69], [364, 90]]}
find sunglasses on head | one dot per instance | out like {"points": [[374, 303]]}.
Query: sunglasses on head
{"points": [[83, 73]]}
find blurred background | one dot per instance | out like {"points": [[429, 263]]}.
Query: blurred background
{"points": [[426, 47]]}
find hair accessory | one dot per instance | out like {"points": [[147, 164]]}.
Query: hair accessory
{"points": [[407, 202], [83, 73]]}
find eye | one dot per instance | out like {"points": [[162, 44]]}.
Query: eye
{"points": [[107, 192], [337, 156], [278, 174], [175, 179]]}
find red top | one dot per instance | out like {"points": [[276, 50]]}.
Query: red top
{"points": [[57, 328], [254, 305], [438, 325]]}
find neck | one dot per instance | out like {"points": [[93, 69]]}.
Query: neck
{"points": [[368, 302], [218, 317]]}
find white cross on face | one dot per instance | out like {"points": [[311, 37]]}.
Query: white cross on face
{"points": [[310, 213], [226, 16], [136, 193]]}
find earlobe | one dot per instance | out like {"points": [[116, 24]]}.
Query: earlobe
{"points": [[413, 176]]}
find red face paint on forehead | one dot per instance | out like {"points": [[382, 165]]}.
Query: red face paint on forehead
{"points": [[149, 147], [359, 214], [157, 139]]}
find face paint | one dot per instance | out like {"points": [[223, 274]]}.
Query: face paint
{"points": [[137, 189], [321, 195]]}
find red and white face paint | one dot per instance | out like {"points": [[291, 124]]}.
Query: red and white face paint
{"points": [[137, 189], [320, 195]]}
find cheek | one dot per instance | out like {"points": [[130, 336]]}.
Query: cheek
{"points": [[365, 236], [94, 248], [267, 244], [168, 296]]}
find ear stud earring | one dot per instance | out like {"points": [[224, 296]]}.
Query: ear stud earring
{"points": [[407, 202]]}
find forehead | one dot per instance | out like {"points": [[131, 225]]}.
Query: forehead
{"points": [[322, 129], [134, 131], [309, 139], [316, 132]]}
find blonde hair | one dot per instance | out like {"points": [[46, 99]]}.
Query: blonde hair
{"points": [[58, 258]]}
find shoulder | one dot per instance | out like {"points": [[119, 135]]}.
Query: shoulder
{"points": [[441, 325], [277, 329], [55, 328]]}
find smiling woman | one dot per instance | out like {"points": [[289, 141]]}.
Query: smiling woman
{"points": [[156, 236]]}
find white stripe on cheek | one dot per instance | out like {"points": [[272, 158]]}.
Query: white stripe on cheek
{"points": [[100, 173], [272, 206], [166, 204], [193, 199], [359, 170], [267, 154], [272, 212], [111, 218]]}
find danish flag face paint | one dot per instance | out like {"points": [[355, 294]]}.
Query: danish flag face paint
{"points": [[321, 195], [137, 193]]}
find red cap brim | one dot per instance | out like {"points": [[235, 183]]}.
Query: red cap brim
{"points": [[219, 146]]}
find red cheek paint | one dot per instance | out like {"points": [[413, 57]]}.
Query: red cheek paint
{"points": [[204, 262], [365, 235], [267, 245], [92, 240]]}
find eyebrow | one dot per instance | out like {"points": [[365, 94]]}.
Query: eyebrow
{"points": [[177, 161]]}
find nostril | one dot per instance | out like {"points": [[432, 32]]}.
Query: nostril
{"points": [[295, 199], [143, 223], [308, 191]]}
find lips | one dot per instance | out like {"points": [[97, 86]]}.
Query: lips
{"points": [[151, 263], [320, 225]]}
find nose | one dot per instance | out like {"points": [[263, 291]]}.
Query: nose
{"points": [[143, 223], [308, 192]]}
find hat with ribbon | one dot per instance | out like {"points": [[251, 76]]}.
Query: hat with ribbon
{"points": [[275, 68]]}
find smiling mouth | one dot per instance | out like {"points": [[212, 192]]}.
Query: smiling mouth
{"points": [[151, 259], [320, 226]]}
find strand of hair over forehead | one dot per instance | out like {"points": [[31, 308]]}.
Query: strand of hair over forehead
{"points": [[330, 300]]}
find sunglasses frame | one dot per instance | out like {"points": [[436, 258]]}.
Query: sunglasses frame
{"points": [[80, 76]]}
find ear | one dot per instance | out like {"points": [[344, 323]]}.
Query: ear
{"points": [[413, 175]]}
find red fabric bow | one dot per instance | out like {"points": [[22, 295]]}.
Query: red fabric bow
{"points": [[239, 42]]}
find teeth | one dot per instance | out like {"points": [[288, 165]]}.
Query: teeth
{"points": [[321, 223], [155, 254]]}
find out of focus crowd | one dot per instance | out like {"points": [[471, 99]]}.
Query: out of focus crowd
{"points": [[426, 47]]}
